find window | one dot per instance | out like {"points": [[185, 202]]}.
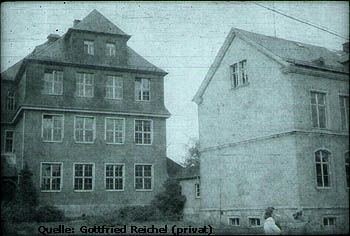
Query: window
{"points": [[53, 83], [344, 111], [318, 108], [239, 74], [89, 47], [51, 177], [114, 87], [322, 168], [234, 221], [254, 222], [347, 169], [52, 128], [85, 85], [142, 89], [329, 221], [143, 132], [10, 100], [83, 177], [110, 49], [143, 177], [84, 129], [114, 176], [114, 130], [8, 141], [197, 190]]}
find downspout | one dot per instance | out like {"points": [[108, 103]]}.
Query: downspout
{"points": [[23, 129]]}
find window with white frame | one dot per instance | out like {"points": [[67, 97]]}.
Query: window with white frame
{"points": [[347, 169], [83, 177], [318, 109], [344, 111], [254, 222], [110, 49], [234, 221], [114, 176], [143, 132], [114, 130], [322, 168], [143, 177], [85, 85], [51, 176], [142, 89], [89, 47], [239, 74], [329, 221], [84, 129], [9, 141], [10, 100], [197, 190], [114, 87], [52, 127], [53, 82]]}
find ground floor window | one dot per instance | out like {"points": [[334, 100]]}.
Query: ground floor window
{"points": [[234, 221], [51, 176], [83, 177], [143, 177], [254, 222], [114, 176], [329, 221]]}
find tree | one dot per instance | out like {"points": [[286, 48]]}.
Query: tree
{"points": [[193, 155]]}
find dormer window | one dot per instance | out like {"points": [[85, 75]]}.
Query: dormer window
{"points": [[110, 49], [89, 47]]}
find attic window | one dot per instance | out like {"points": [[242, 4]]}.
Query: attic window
{"points": [[299, 44], [89, 47], [110, 49]]}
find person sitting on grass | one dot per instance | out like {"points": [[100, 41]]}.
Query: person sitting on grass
{"points": [[270, 226]]}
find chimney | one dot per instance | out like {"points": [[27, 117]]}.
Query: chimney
{"points": [[53, 37], [75, 22], [346, 47]]}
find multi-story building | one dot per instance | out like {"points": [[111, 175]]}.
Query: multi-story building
{"points": [[274, 132], [87, 114]]}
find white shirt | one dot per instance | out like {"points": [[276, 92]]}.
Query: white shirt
{"points": [[270, 227]]}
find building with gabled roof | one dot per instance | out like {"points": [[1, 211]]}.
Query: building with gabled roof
{"points": [[87, 114], [274, 132]]}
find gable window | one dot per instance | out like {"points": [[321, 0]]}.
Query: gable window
{"points": [[9, 141], [85, 85], [114, 87], [84, 129], [143, 131], [318, 109], [197, 190], [52, 128], [53, 83], [329, 221], [234, 221], [239, 74], [347, 169], [143, 177], [114, 176], [254, 222], [89, 47], [83, 177], [10, 100], [114, 132], [51, 177], [110, 49], [344, 111], [322, 168], [142, 89]]}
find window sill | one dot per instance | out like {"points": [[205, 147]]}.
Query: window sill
{"points": [[50, 141], [113, 99], [84, 142], [323, 188], [240, 86], [143, 190], [140, 101], [52, 94], [115, 143], [83, 191], [50, 191], [115, 190], [143, 144]]}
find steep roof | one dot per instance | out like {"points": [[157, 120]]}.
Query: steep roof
{"points": [[284, 52], [57, 51], [96, 22], [188, 173], [173, 168]]}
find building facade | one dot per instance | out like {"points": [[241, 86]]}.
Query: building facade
{"points": [[87, 114], [277, 134]]}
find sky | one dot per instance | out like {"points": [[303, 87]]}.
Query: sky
{"points": [[182, 38]]}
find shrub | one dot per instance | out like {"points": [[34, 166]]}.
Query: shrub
{"points": [[136, 213], [170, 202], [49, 213]]}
